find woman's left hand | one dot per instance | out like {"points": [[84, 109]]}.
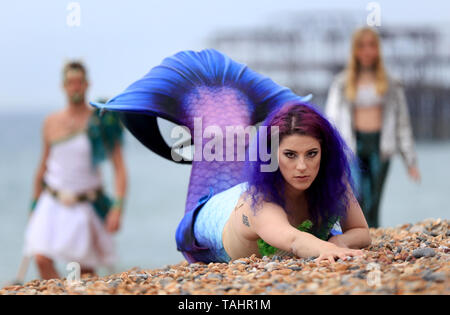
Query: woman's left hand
{"points": [[337, 240], [112, 222], [414, 173]]}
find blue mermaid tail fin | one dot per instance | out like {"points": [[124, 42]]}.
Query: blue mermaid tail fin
{"points": [[207, 85]]}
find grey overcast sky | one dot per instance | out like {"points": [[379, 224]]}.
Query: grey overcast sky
{"points": [[121, 40]]}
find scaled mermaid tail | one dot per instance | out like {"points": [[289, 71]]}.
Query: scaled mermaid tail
{"points": [[208, 85]]}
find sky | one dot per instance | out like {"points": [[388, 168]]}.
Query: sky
{"points": [[120, 41]]}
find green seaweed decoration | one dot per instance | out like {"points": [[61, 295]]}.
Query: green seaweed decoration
{"points": [[323, 233], [104, 131], [268, 250]]}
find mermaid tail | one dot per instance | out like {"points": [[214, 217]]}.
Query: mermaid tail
{"points": [[207, 85]]}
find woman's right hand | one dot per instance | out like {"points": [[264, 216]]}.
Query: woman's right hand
{"points": [[330, 251]]}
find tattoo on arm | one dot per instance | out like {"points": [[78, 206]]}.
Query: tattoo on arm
{"points": [[245, 220]]}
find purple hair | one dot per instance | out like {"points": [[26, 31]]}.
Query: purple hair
{"points": [[326, 196]]}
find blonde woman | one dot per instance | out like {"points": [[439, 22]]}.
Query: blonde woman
{"points": [[369, 108]]}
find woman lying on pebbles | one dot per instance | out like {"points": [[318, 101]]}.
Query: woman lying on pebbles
{"points": [[313, 176], [289, 210]]}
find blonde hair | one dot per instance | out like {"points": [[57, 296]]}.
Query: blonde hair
{"points": [[353, 66]]}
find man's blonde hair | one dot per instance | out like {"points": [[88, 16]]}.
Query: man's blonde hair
{"points": [[74, 65]]}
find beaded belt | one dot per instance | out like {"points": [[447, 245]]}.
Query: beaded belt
{"points": [[69, 198]]}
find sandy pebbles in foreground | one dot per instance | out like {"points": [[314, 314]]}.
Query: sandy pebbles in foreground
{"points": [[408, 259]]}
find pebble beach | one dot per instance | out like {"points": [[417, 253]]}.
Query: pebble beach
{"points": [[407, 259]]}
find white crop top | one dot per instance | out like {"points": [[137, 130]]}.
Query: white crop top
{"points": [[366, 96]]}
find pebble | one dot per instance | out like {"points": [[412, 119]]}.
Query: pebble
{"points": [[239, 262], [165, 281], [361, 274], [214, 276], [408, 259], [434, 276], [283, 287], [271, 266], [423, 252], [417, 229]]}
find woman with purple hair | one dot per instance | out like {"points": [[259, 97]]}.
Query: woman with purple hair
{"points": [[293, 209], [233, 209]]}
